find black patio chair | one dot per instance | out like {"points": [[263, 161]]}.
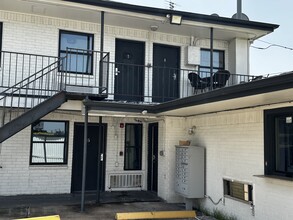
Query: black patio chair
{"points": [[219, 79], [196, 82]]}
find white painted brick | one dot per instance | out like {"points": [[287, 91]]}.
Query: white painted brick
{"points": [[233, 140], [234, 149]]}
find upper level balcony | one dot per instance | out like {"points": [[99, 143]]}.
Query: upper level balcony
{"points": [[90, 73]]}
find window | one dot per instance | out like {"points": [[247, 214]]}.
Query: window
{"points": [[205, 61], [133, 147], [278, 131], [238, 190], [78, 47], [49, 142]]}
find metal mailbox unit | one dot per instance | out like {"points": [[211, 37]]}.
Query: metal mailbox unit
{"points": [[189, 174]]}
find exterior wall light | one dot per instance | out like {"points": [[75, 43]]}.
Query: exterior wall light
{"points": [[176, 19], [154, 27], [191, 130]]}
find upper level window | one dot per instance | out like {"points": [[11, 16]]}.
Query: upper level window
{"points": [[133, 147], [205, 61], [78, 48], [49, 142], [278, 131]]}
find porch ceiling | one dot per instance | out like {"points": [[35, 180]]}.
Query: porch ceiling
{"points": [[139, 20], [273, 90], [233, 104]]}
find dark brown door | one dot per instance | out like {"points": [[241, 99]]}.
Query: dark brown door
{"points": [[92, 157], [166, 60], [153, 157], [129, 70]]}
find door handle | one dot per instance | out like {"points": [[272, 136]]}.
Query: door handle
{"points": [[174, 76], [117, 71], [102, 157]]}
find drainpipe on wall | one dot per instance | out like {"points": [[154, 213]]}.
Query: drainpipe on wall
{"points": [[212, 57], [101, 51]]}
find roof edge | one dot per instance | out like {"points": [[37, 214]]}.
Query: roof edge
{"points": [[185, 15], [271, 84]]}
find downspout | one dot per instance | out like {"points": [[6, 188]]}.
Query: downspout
{"points": [[100, 91], [85, 141], [101, 51], [212, 57]]}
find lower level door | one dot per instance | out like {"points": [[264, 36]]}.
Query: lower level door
{"points": [[92, 157], [153, 157]]}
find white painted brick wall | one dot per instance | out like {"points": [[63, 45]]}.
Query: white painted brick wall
{"points": [[37, 34], [40, 35], [235, 150], [18, 177], [171, 130]]}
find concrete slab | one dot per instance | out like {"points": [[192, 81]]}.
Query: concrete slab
{"points": [[101, 212], [68, 206]]}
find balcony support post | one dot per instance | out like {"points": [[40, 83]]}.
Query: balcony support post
{"points": [[100, 157], [85, 141]]}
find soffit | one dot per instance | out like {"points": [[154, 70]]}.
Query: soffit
{"points": [[114, 17], [276, 97]]}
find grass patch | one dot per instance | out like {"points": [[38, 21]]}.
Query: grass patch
{"points": [[219, 215], [222, 216]]}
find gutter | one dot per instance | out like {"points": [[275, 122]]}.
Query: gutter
{"points": [[257, 87], [185, 15]]}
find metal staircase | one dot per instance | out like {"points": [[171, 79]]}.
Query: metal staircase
{"points": [[31, 86], [31, 99]]}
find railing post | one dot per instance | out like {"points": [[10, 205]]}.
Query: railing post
{"points": [[65, 70]]}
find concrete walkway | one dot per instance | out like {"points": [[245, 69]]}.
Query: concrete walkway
{"points": [[68, 205], [101, 212]]}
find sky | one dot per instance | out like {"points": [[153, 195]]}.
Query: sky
{"points": [[262, 62]]}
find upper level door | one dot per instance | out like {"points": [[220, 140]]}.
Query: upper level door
{"points": [[166, 60], [129, 71]]}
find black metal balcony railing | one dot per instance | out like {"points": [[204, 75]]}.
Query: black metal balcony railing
{"points": [[140, 83], [91, 72], [86, 71], [15, 67], [30, 91]]}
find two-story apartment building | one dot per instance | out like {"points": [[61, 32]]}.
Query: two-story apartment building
{"points": [[128, 82]]}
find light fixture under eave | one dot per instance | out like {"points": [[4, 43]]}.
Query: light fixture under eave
{"points": [[191, 130], [154, 27], [176, 19], [119, 114]]}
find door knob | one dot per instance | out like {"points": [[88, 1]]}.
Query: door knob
{"points": [[117, 71], [174, 76]]}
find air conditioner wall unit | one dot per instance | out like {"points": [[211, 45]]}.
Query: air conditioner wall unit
{"points": [[193, 55]]}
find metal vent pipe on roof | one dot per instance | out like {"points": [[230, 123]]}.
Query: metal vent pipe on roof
{"points": [[239, 9]]}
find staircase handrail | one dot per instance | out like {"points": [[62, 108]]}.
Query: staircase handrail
{"points": [[17, 86]]}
